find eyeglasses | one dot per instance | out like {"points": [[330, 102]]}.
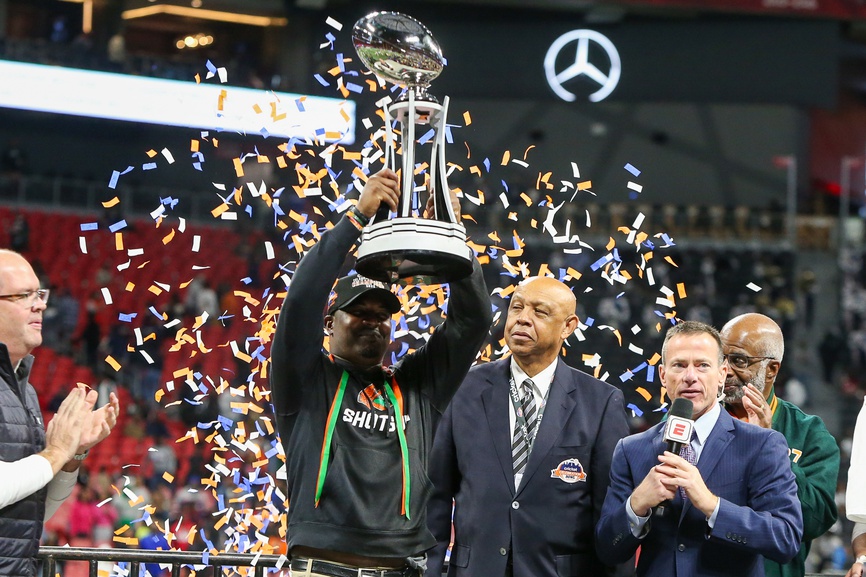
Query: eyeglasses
{"points": [[744, 361], [28, 298]]}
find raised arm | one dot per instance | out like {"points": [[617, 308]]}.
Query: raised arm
{"points": [[298, 338]]}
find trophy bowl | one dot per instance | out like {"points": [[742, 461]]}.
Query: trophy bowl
{"points": [[399, 50]]}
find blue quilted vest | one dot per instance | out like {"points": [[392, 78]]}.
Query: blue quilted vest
{"points": [[22, 433]]}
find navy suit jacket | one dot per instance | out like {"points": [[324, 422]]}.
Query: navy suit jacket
{"points": [[747, 467], [548, 522]]}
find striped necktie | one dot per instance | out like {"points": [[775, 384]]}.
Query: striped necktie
{"points": [[688, 453], [520, 446]]}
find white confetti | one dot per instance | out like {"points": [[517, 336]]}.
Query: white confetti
{"points": [[753, 287], [106, 295]]}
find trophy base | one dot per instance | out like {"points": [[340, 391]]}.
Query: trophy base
{"points": [[427, 251]]}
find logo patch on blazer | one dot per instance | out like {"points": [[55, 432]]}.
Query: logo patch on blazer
{"points": [[569, 471], [372, 398]]}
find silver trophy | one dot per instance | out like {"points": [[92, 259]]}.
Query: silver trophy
{"points": [[400, 50]]}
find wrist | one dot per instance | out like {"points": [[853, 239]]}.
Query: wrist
{"points": [[861, 559], [358, 218]]}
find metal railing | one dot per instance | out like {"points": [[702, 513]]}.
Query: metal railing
{"points": [[136, 557], [178, 559]]}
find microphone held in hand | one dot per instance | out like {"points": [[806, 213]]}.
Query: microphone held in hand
{"points": [[678, 432]]}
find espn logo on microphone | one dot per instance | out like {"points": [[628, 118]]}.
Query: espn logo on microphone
{"points": [[679, 430]]}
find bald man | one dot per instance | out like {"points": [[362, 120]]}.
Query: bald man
{"points": [[39, 467], [524, 452], [754, 346]]}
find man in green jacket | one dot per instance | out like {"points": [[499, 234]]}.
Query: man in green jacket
{"points": [[754, 347]]}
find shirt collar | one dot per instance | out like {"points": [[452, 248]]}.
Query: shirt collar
{"points": [[542, 380], [705, 423]]}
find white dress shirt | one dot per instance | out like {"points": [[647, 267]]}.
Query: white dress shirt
{"points": [[541, 386]]}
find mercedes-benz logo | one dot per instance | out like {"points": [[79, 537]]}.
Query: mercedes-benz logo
{"points": [[581, 66]]}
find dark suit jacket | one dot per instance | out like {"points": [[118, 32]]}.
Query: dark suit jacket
{"points": [[759, 513], [548, 522]]}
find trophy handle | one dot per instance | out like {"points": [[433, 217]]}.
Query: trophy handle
{"points": [[405, 207], [438, 169], [390, 162]]}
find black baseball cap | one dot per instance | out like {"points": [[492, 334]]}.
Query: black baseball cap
{"points": [[349, 288]]}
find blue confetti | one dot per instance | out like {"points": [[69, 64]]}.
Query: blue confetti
{"points": [[427, 136], [148, 166], [121, 224], [650, 373], [126, 318], [210, 67], [321, 80], [89, 226], [113, 182], [632, 169], [589, 321], [637, 412], [601, 262], [352, 87]]}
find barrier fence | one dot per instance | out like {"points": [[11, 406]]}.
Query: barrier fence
{"points": [[177, 559], [137, 557]]}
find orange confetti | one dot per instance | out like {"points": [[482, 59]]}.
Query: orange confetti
{"points": [[681, 290], [113, 202], [113, 363]]}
